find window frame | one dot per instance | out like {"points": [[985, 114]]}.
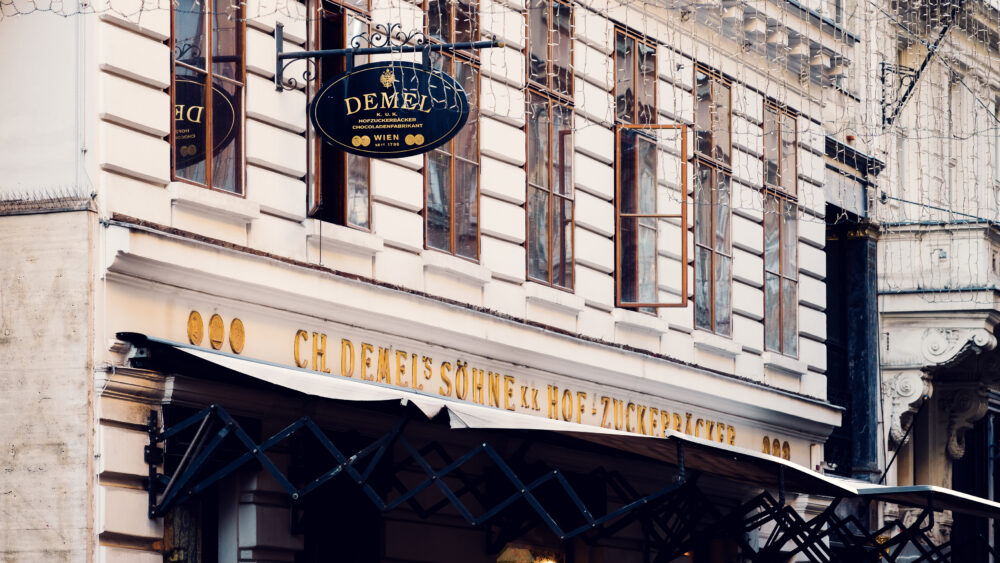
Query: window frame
{"points": [[210, 77], [552, 98], [786, 201], [315, 203], [472, 59], [717, 167]]}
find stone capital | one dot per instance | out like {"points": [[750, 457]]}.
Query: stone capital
{"points": [[963, 404], [904, 392]]}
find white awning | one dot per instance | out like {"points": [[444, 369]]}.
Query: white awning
{"points": [[709, 457]]}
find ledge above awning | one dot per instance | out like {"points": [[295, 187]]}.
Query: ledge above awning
{"points": [[934, 498]]}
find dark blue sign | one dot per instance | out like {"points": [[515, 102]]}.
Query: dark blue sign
{"points": [[389, 109]]}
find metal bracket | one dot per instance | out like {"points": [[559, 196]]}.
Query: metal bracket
{"points": [[385, 39]]}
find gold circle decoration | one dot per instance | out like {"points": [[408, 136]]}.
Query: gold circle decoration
{"points": [[195, 328], [418, 139], [365, 140], [216, 332], [356, 141], [237, 336], [409, 139]]}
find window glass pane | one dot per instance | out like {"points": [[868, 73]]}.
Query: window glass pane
{"points": [[466, 21], [226, 115], [225, 38], [647, 175], [629, 197], [189, 32], [703, 113], [466, 143], [439, 200], [771, 148], [789, 238], [628, 238], [538, 234], [562, 242], [562, 150], [439, 24], [722, 224], [703, 288], [538, 138], [189, 125], [562, 48], [703, 206], [723, 289], [772, 237], [624, 79], [789, 172], [772, 312], [357, 191], [646, 87], [722, 123], [538, 39], [466, 209], [647, 260], [789, 320]]}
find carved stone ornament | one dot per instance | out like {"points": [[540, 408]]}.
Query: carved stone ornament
{"points": [[942, 346], [964, 406], [904, 393]]}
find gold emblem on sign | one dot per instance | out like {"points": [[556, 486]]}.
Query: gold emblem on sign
{"points": [[216, 332], [414, 139], [188, 150], [387, 78], [237, 336], [195, 328], [356, 141]]}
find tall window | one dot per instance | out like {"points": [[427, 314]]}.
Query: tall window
{"points": [[713, 276], [780, 232], [549, 168], [341, 193], [451, 212], [641, 200], [207, 92]]}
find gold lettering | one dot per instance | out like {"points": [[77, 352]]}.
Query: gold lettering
{"points": [[581, 399], [553, 393], [494, 389], [370, 102], [390, 101], [303, 336], [178, 116], [408, 100], [687, 423], [722, 428], [446, 389], [567, 405], [786, 451], [508, 392], [641, 419], [534, 400], [711, 428], [197, 118], [604, 414], [766, 448], [348, 101], [421, 108], [413, 373], [383, 366], [461, 380], [477, 385], [619, 414], [319, 353], [653, 419], [346, 350], [698, 425], [400, 367], [677, 422], [366, 361], [628, 417], [524, 397], [428, 371], [731, 435], [776, 448], [664, 422]]}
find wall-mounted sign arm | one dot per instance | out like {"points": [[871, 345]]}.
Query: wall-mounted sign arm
{"points": [[385, 40]]}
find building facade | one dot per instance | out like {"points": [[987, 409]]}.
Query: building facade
{"points": [[627, 240]]}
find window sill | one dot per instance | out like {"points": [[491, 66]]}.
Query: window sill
{"points": [[715, 344], [440, 262], [774, 361], [344, 239], [230, 207], [553, 298], [643, 322]]}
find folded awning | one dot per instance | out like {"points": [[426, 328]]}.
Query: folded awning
{"points": [[704, 456]]}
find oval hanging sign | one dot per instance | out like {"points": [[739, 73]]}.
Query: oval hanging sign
{"points": [[389, 109], [190, 117]]}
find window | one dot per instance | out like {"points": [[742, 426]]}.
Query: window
{"points": [[780, 232], [451, 211], [713, 272], [549, 167], [341, 192], [207, 45], [643, 204]]}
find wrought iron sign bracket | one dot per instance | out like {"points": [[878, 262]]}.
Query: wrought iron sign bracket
{"points": [[385, 39]]}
